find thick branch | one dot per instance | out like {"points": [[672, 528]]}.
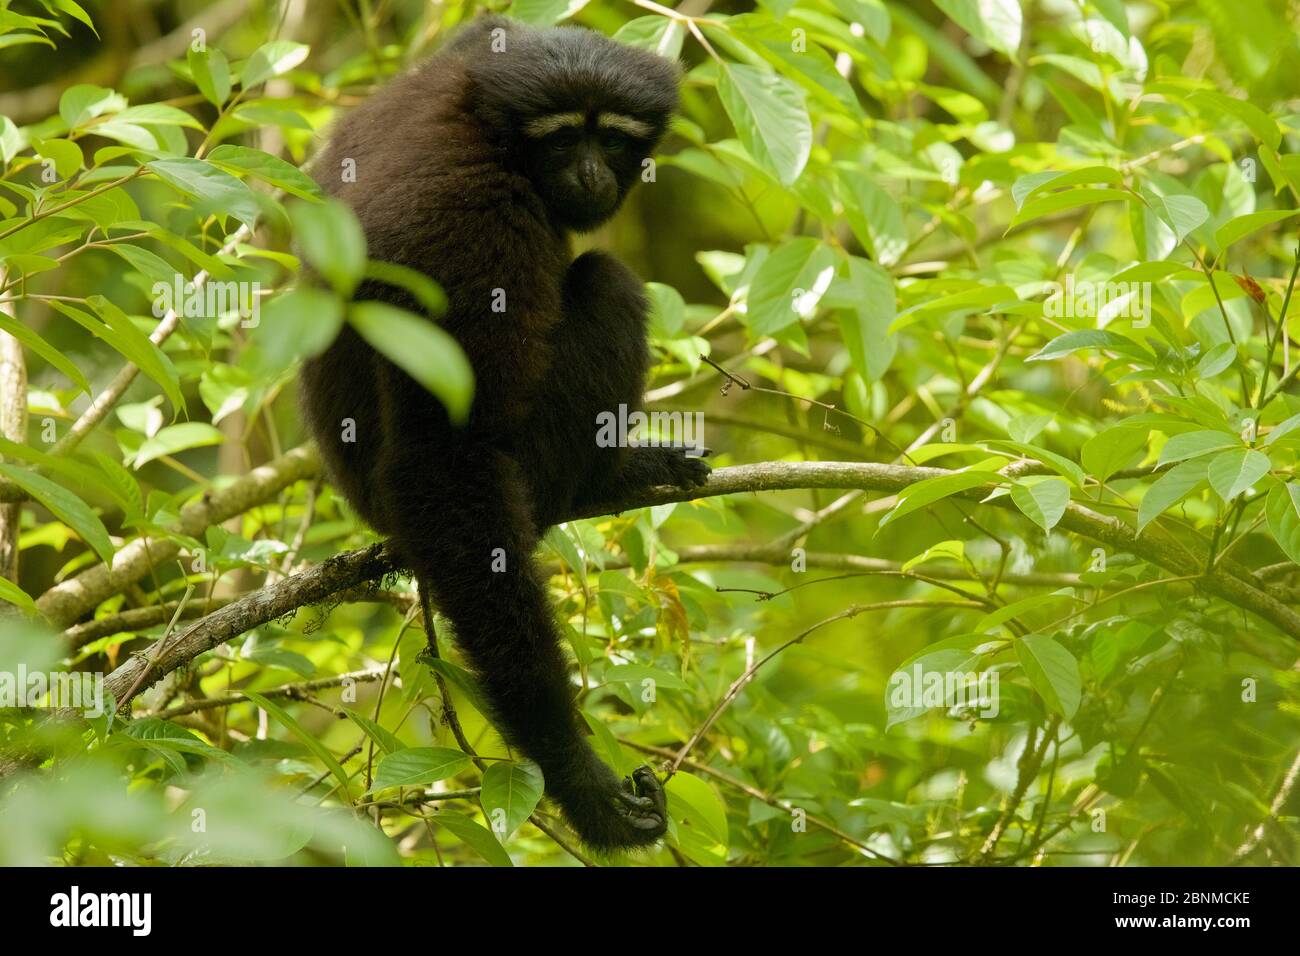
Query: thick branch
{"points": [[71, 599]]}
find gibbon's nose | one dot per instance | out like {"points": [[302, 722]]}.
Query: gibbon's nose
{"points": [[589, 174]]}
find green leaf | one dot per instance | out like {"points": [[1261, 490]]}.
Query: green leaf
{"points": [[996, 22], [1042, 502], [789, 285], [1241, 226], [931, 490], [65, 506], [211, 73], [1182, 213], [45, 350], [511, 792], [865, 326], [1232, 472], [693, 800], [1283, 510], [271, 60], [421, 349], [1053, 672], [1186, 445], [426, 292], [177, 438], [13, 594], [84, 102], [658, 34], [418, 766], [216, 188], [473, 835], [1067, 199], [770, 118], [386, 740], [1113, 448], [1171, 487], [299, 324], [331, 240], [267, 168], [1091, 339], [120, 332], [308, 740], [1031, 184]]}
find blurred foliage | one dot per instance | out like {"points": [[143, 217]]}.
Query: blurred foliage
{"points": [[869, 209]]}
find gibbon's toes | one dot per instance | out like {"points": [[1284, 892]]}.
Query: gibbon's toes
{"points": [[690, 472]]}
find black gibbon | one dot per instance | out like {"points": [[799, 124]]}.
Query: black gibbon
{"points": [[474, 168]]}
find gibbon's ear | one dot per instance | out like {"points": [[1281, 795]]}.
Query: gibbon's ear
{"points": [[474, 36]]}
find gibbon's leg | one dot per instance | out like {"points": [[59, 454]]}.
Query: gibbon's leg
{"points": [[468, 535], [599, 367]]}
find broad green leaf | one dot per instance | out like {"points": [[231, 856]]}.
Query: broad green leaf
{"points": [[1169, 489], [221, 192], [386, 740], [789, 285], [864, 326], [473, 835], [331, 240], [299, 324], [1181, 213], [1091, 339], [418, 766], [427, 293], [658, 34], [1194, 444], [1053, 672], [177, 438], [511, 792], [45, 350], [935, 489], [1232, 472], [996, 22], [308, 740], [1031, 184], [267, 168], [271, 60], [421, 349], [211, 73], [1113, 449], [65, 506], [13, 594], [693, 800], [1283, 511], [1065, 200], [769, 115], [1042, 502], [1242, 226], [84, 102]]}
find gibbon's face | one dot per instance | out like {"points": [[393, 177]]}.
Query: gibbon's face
{"points": [[580, 111], [584, 162]]}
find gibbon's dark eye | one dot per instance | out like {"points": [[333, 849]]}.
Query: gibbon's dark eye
{"points": [[565, 140], [612, 141]]}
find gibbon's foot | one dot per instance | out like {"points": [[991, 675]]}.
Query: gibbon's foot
{"points": [[686, 471], [643, 805]]}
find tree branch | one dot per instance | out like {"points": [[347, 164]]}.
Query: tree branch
{"points": [[356, 567]]}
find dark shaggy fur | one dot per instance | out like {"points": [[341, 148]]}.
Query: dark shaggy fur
{"points": [[448, 184]]}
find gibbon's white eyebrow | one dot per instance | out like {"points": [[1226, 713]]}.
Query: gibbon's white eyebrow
{"points": [[553, 123], [625, 124]]}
